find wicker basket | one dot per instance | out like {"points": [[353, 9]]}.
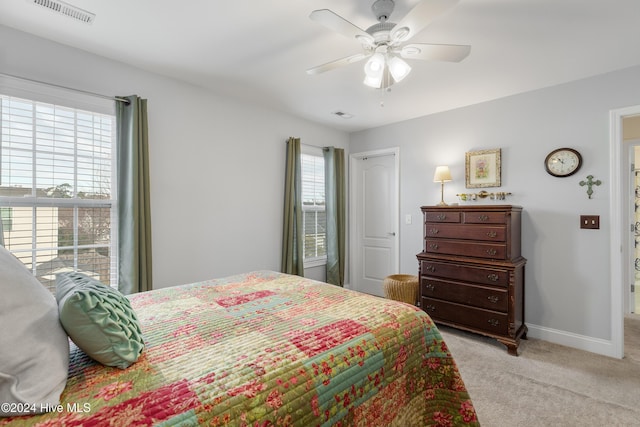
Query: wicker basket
{"points": [[401, 287]]}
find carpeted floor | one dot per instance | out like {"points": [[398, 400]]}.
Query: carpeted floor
{"points": [[549, 384]]}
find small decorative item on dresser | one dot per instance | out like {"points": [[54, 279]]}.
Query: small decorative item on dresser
{"points": [[500, 195], [472, 272], [401, 287]]}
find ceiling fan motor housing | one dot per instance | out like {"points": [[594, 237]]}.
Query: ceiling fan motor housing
{"points": [[382, 9]]}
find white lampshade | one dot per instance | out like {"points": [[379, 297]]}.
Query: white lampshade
{"points": [[374, 65], [374, 70], [373, 81], [442, 174], [398, 68]]}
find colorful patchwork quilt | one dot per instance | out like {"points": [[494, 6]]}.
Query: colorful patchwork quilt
{"points": [[269, 349]]}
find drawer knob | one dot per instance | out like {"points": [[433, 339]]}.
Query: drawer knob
{"points": [[491, 251], [441, 217], [483, 218], [430, 307], [433, 246], [429, 286], [430, 268], [493, 277], [434, 231], [493, 322], [492, 234], [494, 299]]}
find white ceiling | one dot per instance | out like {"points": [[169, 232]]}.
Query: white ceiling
{"points": [[258, 50]]}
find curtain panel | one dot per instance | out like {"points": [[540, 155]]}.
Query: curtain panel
{"points": [[134, 228], [292, 249], [335, 199]]}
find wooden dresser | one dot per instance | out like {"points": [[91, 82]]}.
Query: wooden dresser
{"points": [[471, 270]]}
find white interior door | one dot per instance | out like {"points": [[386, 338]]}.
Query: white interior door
{"points": [[374, 219]]}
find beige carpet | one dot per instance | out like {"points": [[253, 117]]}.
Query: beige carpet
{"points": [[549, 384]]}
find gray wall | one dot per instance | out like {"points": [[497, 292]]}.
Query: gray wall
{"points": [[217, 165], [217, 174], [567, 274]]}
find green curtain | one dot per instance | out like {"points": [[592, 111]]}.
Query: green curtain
{"points": [[292, 255], [134, 228], [334, 179]]}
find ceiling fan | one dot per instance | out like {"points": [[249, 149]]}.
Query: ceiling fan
{"points": [[384, 43]]}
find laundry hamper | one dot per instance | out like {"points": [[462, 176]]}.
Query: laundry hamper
{"points": [[401, 287]]}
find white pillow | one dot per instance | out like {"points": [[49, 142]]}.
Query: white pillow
{"points": [[34, 348]]}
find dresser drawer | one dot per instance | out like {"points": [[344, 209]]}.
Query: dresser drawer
{"points": [[478, 296], [457, 314], [466, 248], [494, 233], [442, 216], [465, 273], [483, 218]]}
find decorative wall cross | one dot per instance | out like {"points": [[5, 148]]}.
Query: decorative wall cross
{"points": [[590, 183]]}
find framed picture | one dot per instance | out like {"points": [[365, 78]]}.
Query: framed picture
{"points": [[482, 168]]}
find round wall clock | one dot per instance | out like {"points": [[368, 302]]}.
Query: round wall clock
{"points": [[563, 162]]}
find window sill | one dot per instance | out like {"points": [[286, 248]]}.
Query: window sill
{"points": [[315, 263]]}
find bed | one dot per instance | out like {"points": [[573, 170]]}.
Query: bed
{"points": [[269, 349]]}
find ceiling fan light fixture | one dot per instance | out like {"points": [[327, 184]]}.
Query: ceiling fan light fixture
{"points": [[373, 81], [398, 68], [375, 65]]}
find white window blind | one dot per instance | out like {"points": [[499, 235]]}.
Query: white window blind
{"points": [[57, 188], [313, 209]]}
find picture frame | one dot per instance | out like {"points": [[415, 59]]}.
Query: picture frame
{"points": [[483, 168]]}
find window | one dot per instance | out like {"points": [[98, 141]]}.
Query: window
{"points": [[57, 185], [6, 215], [313, 209]]}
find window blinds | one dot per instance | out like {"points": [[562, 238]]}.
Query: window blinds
{"points": [[56, 182]]}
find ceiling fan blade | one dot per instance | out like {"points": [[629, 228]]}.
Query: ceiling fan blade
{"points": [[419, 17], [435, 52], [338, 63], [340, 25]]}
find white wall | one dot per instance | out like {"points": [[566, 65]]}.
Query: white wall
{"points": [[567, 273], [217, 165]]}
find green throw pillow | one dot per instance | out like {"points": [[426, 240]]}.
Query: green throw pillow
{"points": [[99, 320]]}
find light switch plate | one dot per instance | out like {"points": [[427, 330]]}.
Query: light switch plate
{"points": [[591, 222]]}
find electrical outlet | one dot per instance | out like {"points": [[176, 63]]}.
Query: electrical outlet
{"points": [[591, 222], [407, 219]]}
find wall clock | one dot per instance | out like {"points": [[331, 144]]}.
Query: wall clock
{"points": [[563, 162]]}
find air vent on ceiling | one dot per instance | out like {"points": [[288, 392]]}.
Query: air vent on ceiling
{"points": [[67, 10], [342, 114]]}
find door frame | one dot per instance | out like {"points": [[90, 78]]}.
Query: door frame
{"points": [[353, 249], [619, 238]]}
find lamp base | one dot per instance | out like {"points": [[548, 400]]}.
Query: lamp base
{"points": [[442, 203]]}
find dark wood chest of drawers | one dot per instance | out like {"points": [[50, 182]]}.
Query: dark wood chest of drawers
{"points": [[472, 272]]}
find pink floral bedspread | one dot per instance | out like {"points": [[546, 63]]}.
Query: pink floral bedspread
{"points": [[268, 349]]}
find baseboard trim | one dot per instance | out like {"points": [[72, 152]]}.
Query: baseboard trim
{"points": [[569, 339]]}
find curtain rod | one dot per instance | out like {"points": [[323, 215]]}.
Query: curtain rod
{"points": [[312, 146], [114, 98]]}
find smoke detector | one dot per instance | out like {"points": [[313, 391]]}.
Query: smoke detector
{"points": [[66, 9]]}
